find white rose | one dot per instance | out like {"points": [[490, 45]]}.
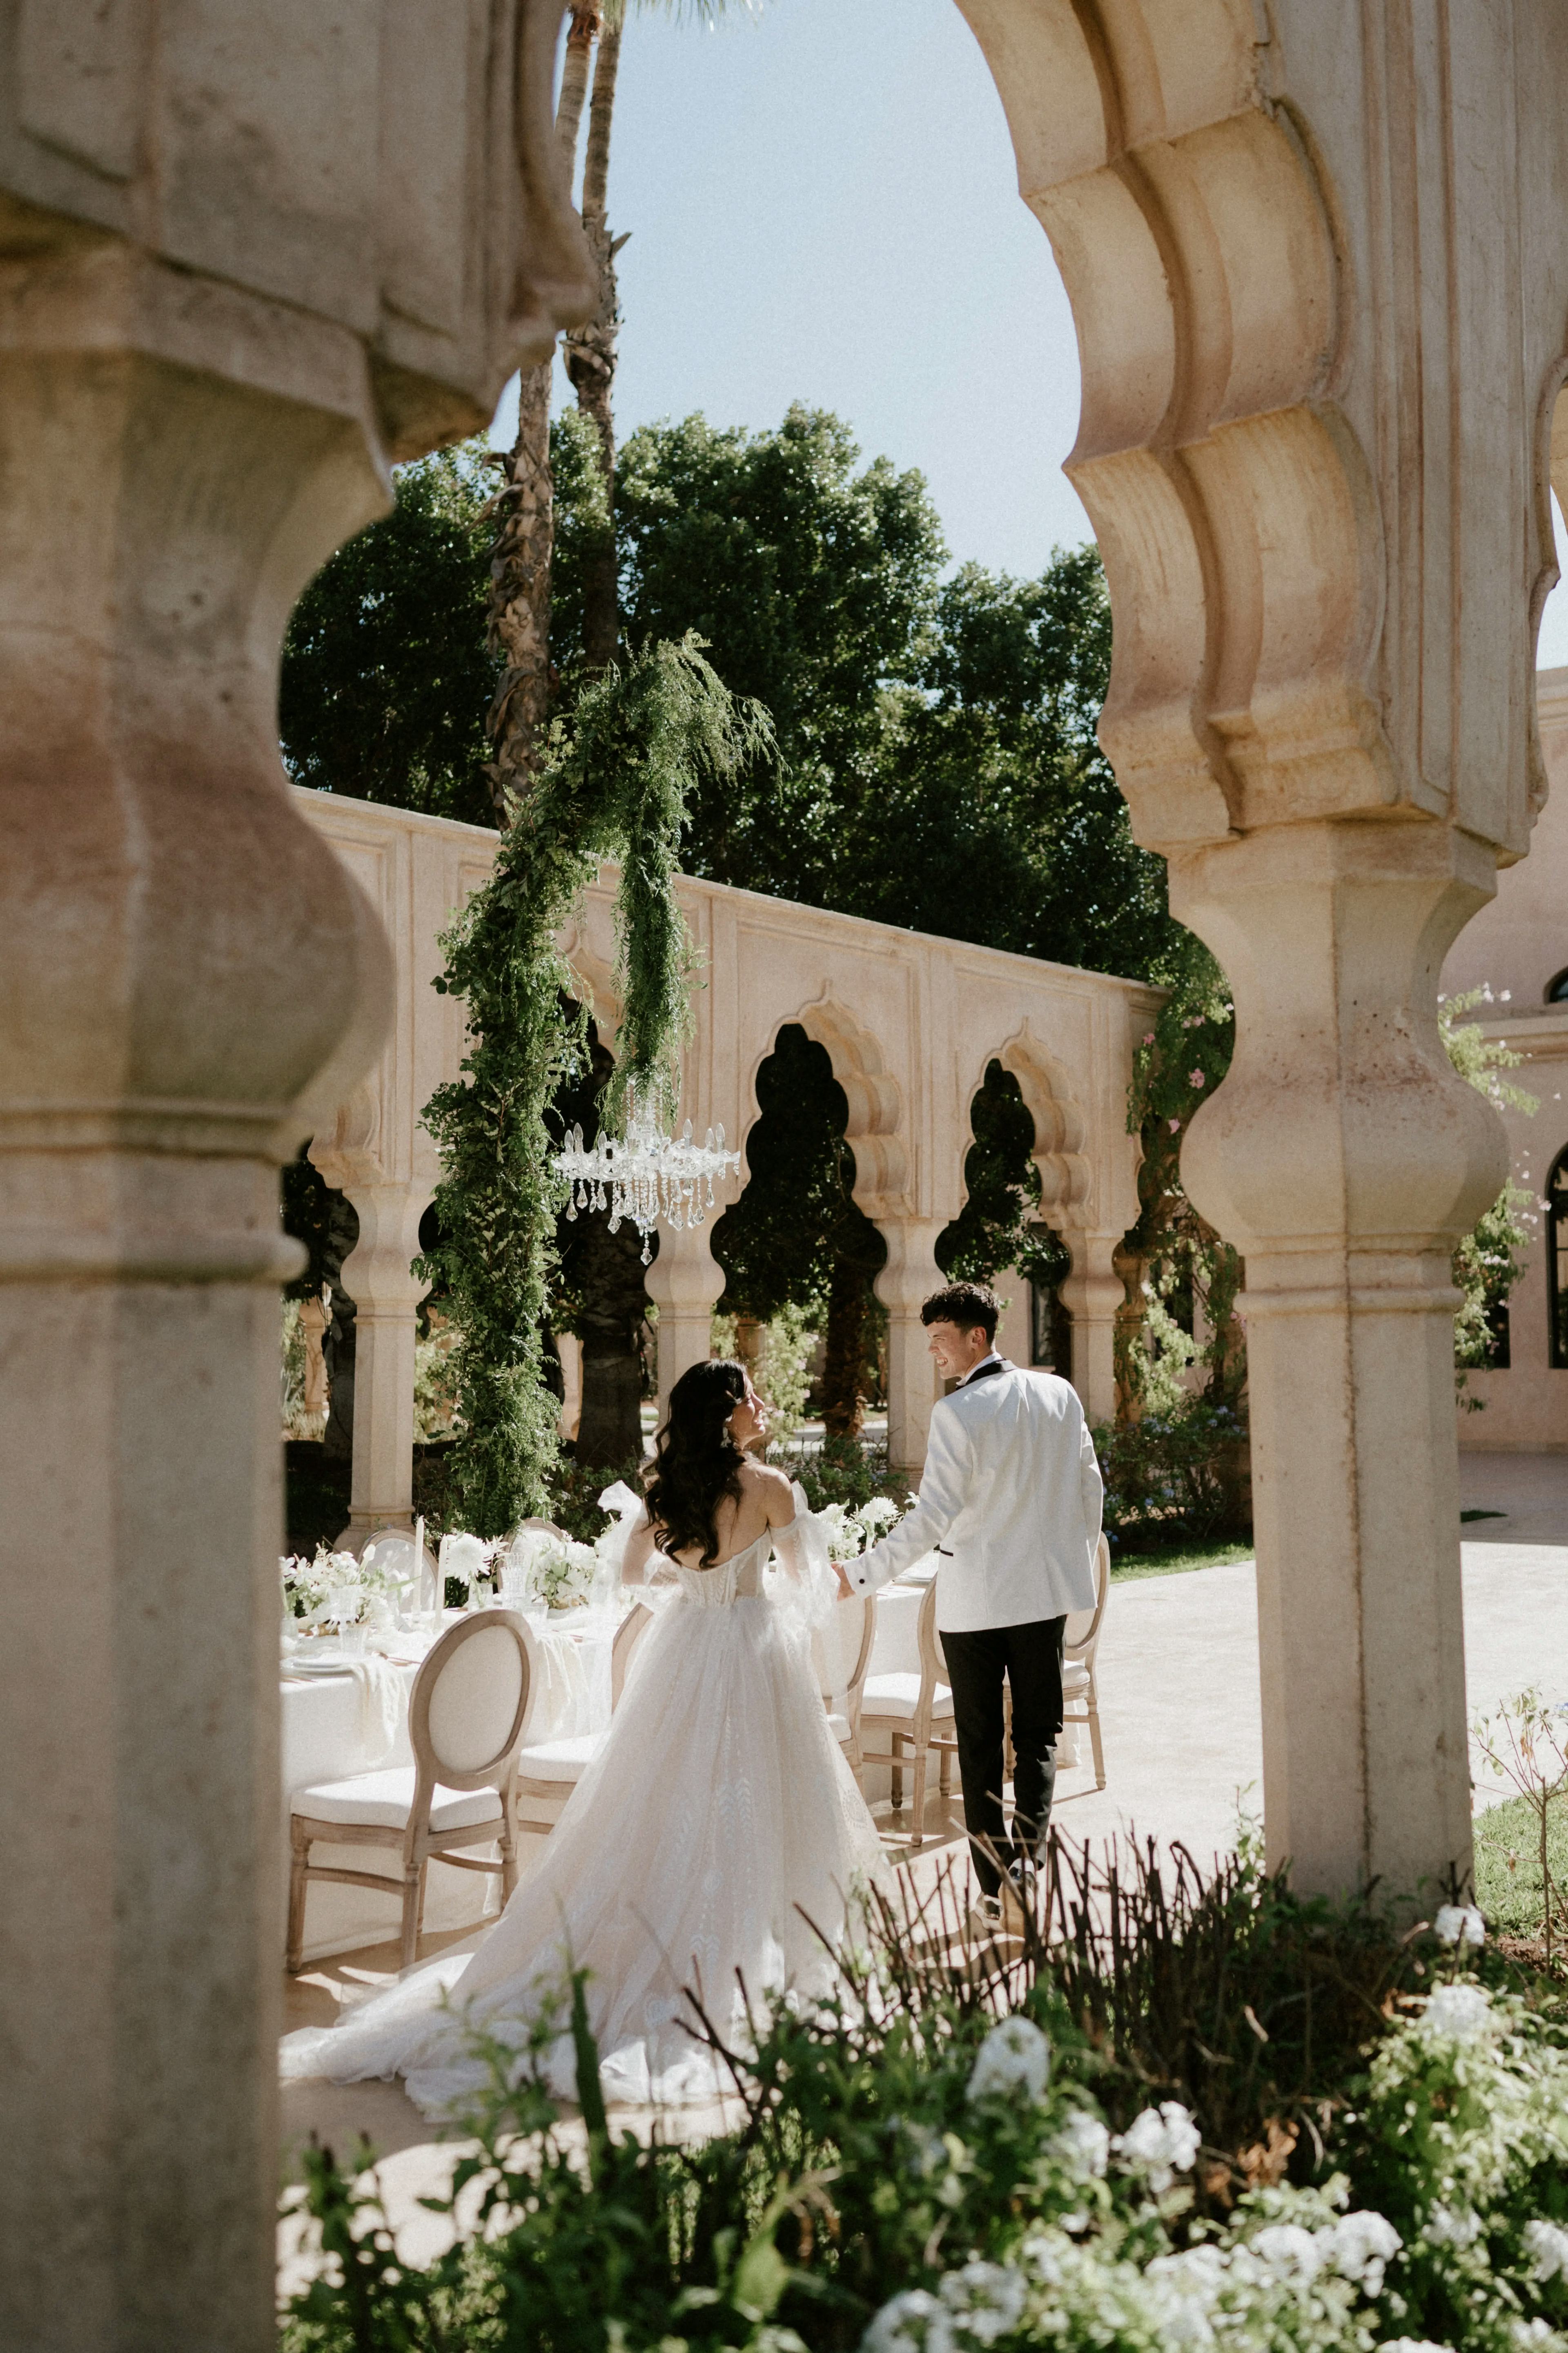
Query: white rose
{"points": [[1460, 1924]]}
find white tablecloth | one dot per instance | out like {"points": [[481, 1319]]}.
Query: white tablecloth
{"points": [[324, 1730]]}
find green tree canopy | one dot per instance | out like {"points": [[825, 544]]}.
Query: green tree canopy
{"points": [[386, 679], [936, 764]]}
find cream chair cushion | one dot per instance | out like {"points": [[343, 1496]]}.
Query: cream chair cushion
{"points": [[1075, 1677], [558, 1760], [898, 1695], [384, 1798]]}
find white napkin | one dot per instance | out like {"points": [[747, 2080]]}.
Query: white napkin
{"points": [[380, 1707]]}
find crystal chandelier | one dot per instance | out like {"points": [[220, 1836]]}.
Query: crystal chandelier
{"points": [[646, 1176]]}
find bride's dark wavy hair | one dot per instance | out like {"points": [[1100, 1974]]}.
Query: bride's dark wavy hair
{"points": [[696, 1461]]}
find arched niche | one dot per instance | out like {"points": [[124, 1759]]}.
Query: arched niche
{"points": [[1061, 1130], [873, 1127]]}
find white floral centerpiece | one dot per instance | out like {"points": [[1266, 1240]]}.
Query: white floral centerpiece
{"points": [[468, 1560], [336, 1590], [560, 1573]]}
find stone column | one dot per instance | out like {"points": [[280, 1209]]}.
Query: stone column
{"points": [[684, 1284], [386, 1296], [246, 261], [160, 901], [1343, 1155], [1093, 1295], [905, 1283]]}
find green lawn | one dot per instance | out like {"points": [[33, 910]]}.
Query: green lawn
{"points": [[1125, 1565], [1512, 1898]]}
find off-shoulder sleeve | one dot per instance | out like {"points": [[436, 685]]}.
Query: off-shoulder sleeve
{"points": [[611, 1544], [809, 1588]]}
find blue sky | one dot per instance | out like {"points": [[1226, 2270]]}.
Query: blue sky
{"points": [[823, 206]]}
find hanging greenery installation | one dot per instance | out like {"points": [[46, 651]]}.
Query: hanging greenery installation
{"points": [[617, 783]]}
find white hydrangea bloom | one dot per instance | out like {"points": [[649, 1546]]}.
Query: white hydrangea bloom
{"points": [[914, 2322], [986, 2300], [1043, 2254], [1161, 2143], [1359, 2246], [1459, 2012], [1453, 2226], [1186, 2288], [1083, 2146], [1289, 2253], [1460, 1924], [1412, 2345], [1014, 2057], [1547, 2245], [1529, 2334]]}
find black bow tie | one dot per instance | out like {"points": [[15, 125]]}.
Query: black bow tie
{"points": [[983, 1372]]}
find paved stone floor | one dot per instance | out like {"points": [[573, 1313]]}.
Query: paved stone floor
{"points": [[1178, 1674]]}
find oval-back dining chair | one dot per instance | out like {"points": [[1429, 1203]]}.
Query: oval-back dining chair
{"points": [[466, 1718]]}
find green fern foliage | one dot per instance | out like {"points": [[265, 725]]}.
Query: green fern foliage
{"points": [[642, 738]]}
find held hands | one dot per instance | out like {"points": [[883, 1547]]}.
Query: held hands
{"points": [[845, 1591]]}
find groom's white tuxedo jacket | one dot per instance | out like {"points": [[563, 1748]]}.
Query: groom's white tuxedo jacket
{"points": [[1010, 1497]]}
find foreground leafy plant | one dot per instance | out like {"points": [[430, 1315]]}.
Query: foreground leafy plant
{"points": [[967, 2149]]}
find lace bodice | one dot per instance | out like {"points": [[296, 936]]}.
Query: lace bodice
{"points": [[740, 1578]]}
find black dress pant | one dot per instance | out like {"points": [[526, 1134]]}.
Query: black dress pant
{"points": [[1029, 1659]]}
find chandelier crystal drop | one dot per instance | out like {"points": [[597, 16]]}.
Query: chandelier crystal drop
{"points": [[647, 1174]]}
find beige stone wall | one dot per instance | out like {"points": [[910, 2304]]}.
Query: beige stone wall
{"points": [[910, 1023], [1517, 946]]}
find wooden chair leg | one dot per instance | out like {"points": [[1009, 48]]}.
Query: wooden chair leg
{"points": [[508, 1850], [895, 1743], [413, 1909], [1094, 1740], [299, 1865], [944, 1771], [918, 1797]]}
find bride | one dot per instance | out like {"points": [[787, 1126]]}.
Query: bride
{"points": [[716, 1832]]}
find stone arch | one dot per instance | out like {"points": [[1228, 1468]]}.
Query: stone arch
{"points": [[1061, 1130], [873, 1129]]}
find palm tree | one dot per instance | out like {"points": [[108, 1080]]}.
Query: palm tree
{"points": [[605, 1269], [523, 507]]}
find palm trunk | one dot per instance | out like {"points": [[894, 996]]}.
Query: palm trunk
{"points": [[590, 352], [581, 35], [518, 624], [524, 508]]}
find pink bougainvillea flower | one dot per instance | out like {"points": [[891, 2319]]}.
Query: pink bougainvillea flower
{"points": [[1175, 1125], [1195, 1078], [1148, 1036]]}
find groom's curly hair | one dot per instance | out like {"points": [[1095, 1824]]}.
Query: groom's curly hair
{"points": [[696, 1461], [967, 1304]]}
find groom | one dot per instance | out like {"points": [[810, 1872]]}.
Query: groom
{"points": [[1010, 1500]]}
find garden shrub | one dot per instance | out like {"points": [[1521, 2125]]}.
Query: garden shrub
{"points": [[970, 2148], [845, 1470], [1175, 1475]]}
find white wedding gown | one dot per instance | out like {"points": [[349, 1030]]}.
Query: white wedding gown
{"points": [[719, 1830]]}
